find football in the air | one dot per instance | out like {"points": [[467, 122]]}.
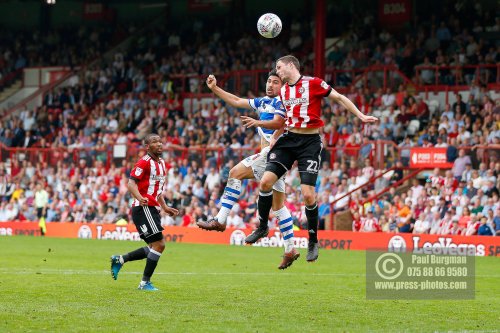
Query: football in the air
{"points": [[269, 25]]}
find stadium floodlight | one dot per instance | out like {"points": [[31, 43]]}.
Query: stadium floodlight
{"points": [[51, 2]]}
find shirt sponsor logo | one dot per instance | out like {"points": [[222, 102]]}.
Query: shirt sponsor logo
{"points": [[294, 101]]}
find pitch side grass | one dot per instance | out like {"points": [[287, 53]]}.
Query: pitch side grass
{"points": [[64, 285]]}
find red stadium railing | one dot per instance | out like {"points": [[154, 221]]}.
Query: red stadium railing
{"points": [[236, 81], [379, 154], [369, 183], [375, 76], [439, 77], [241, 82], [396, 184]]}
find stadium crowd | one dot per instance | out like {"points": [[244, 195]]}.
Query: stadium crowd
{"points": [[116, 103], [68, 46], [81, 188]]}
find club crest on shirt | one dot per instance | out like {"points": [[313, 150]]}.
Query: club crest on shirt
{"points": [[301, 90], [272, 156], [138, 171]]}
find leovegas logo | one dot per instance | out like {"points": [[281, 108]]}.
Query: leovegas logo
{"points": [[120, 233], [445, 245], [278, 241]]}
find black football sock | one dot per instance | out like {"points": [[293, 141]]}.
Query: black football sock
{"points": [[151, 262], [264, 206], [312, 222], [138, 254]]}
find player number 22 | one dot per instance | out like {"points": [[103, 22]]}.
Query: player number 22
{"points": [[313, 166]]}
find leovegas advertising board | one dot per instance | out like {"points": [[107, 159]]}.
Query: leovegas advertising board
{"points": [[429, 158], [339, 240]]}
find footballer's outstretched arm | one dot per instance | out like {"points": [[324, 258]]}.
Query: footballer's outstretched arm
{"points": [[276, 123], [346, 102], [229, 98]]}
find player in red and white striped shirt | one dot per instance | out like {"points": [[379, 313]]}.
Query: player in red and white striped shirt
{"points": [[146, 182], [301, 96]]}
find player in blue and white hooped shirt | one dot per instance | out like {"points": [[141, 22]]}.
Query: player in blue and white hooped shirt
{"points": [[272, 117]]}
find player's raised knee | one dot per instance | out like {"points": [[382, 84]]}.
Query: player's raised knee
{"points": [[233, 173], [240, 171], [159, 246], [266, 184], [309, 198]]}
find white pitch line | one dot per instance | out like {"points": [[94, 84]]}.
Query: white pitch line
{"points": [[88, 272]]}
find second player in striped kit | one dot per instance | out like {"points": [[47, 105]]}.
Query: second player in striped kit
{"points": [[146, 182]]}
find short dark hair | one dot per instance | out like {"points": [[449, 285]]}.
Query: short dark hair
{"points": [[147, 138], [290, 59], [273, 72]]}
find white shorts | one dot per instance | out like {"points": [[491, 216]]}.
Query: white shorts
{"points": [[258, 164]]}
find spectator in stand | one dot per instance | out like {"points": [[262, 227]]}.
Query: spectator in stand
{"points": [[405, 153], [369, 223], [405, 217], [388, 99], [485, 229], [421, 225], [459, 165], [496, 221], [426, 71], [452, 150], [341, 201], [235, 221], [381, 182], [455, 228]]}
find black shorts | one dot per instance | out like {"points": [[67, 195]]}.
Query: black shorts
{"points": [[40, 213], [147, 220], [303, 148]]}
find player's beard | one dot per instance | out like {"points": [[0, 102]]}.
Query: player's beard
{"points": [[271, 93]]}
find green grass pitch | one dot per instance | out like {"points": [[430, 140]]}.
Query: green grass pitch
{"points": [[64, 285]]}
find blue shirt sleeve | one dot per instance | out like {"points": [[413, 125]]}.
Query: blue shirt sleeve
{"points": [[279, 108], [255, 103]]}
